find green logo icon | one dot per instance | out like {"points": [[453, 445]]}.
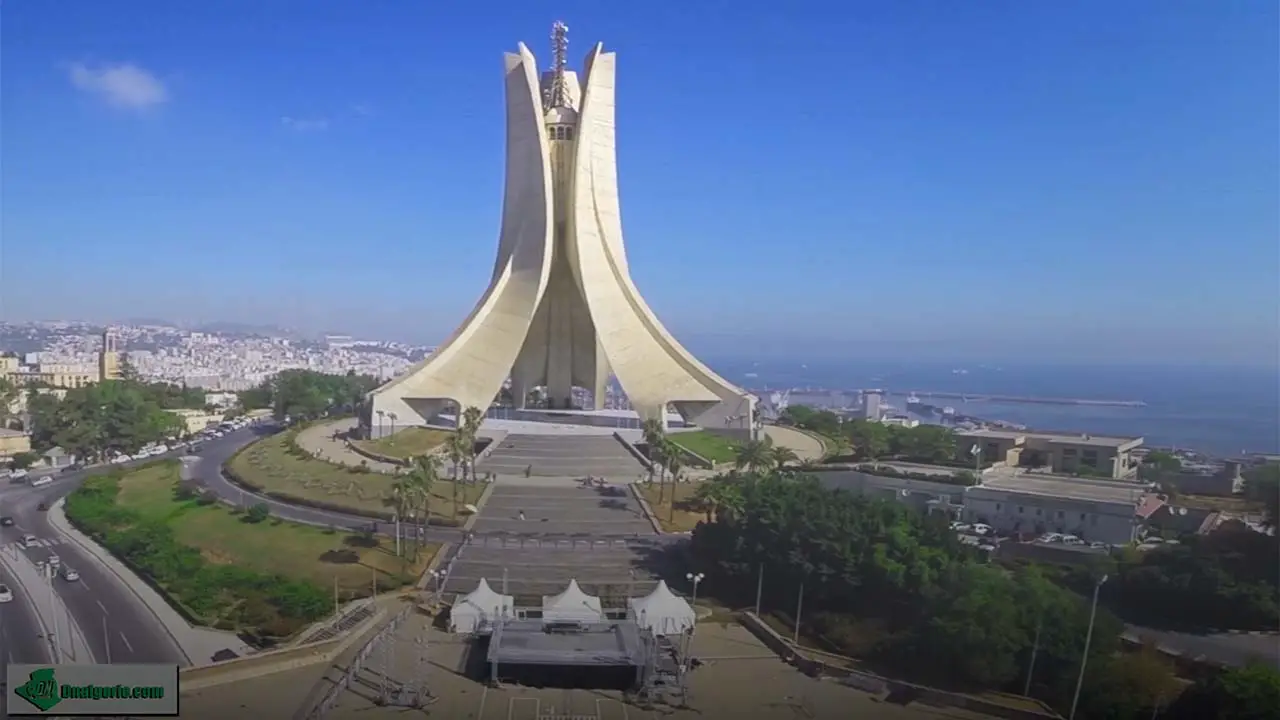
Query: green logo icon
{"points": [[41, 690]]}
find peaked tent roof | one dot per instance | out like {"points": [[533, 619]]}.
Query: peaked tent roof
{"points": [[478, 607], [572, 604], [663, 611]]}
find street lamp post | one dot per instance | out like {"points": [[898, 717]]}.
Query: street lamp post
{"points": [[437, 577], [795, 639], [1088, 638], [696, 579]]}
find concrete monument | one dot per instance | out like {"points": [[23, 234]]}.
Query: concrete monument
{"points": [[561, 309]]}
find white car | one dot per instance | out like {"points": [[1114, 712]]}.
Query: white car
{"points": [[120, 459], [29, 541], [18, 474], [70, 575], [54, 561], [6, 595], [982, 528]]}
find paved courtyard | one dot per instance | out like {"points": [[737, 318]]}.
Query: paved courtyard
{"points": [[598, 536], [529, 567], [739, 678], [561, 507], [569, 455]]}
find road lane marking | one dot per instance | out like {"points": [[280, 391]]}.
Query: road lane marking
{"points": [[126, 641], [104, 607]]}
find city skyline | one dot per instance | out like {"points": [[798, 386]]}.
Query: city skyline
{"points": [[921, 224]]}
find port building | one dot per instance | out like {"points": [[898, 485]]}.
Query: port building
{"points": [[1110, 457]]}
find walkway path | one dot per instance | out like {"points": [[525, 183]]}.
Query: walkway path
{"points": [[325, 442], [804, 446]]}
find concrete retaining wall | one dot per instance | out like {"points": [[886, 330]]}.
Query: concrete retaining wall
{"points": [[274, 661]]}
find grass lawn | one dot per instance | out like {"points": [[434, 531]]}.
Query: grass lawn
{"points": [[295, 551], [268, 464], [407, 443], [684, 518], [713, 447]]}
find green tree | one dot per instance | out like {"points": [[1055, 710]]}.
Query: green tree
{"points": [[870, 440], [1248, 693], [780, 457], [1161, 461], [422, 479], [472, 418], [754, 456], [1263, 483], [9, 396], [23, 460]]}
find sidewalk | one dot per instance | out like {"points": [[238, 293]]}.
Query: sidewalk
{"points": [[53, 615], [197, 644], [319, 441]]}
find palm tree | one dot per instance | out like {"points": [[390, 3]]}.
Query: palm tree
{"points": [[654, 436], [754, 456], [783, 456], [718, 495], [674, 466], [401, 501], [422, 478], [456, 451], [472, 417]]}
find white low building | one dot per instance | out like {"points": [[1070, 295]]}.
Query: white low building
{"points": [[1093, 510]]}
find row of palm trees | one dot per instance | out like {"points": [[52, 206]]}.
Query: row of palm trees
{"points": [[411, 494]]}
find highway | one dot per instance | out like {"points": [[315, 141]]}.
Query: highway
{"points": [[114, 622], [21, 640]]}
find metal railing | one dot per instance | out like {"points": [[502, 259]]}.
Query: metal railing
{"points": [[358, 665]]}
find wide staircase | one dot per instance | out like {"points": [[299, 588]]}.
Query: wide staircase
{"points": [[572, 456]]}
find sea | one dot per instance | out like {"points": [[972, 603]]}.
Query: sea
{"points": [[1219, 411]]}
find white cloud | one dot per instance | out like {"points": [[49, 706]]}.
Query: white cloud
{"points": [[121, 85], [305, 124]]}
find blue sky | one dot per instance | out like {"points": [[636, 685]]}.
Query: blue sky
{"points": [[1088, 180]]}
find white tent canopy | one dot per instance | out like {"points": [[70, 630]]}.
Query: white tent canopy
{"points": [[478, 607], [663, 612], [572, 605]]}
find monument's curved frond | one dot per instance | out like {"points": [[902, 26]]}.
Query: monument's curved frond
{"points": [[561, 309], [471, 366], [652, 366]]}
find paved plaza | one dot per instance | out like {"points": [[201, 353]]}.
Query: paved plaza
{"points": [[570, 455], [561, 508], [738, 678], [612, 569]]}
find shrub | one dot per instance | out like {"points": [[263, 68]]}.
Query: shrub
{"points": [[257, 513]]}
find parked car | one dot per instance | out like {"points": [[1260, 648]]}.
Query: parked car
{"points": [[6, 595]]}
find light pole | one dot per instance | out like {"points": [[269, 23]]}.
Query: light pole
{"points": [[1035, 649], [437, 577], [696, 579], [759, 588], [1088, 638], [795, 639]]}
